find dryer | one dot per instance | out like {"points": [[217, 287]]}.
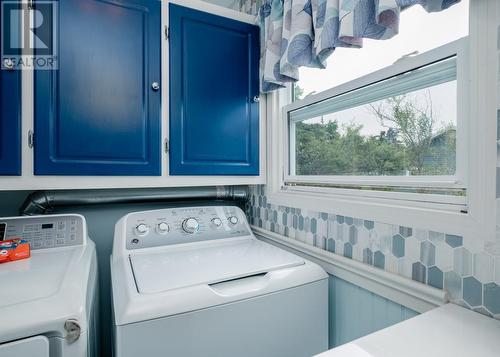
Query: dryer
{"points": [[48, 305], [196, 282]]}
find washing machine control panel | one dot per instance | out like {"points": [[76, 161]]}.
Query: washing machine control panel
{"points": [[44, 231], [184, 225]]}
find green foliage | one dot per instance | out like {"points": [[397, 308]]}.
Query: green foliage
{"points": [[322, 149], [410, 145]]}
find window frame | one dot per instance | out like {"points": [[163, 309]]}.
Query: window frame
{"points": [[368, 85], [478, 217]]}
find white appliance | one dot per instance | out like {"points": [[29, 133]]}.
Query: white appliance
{"points": [[196, 282], [447, 331], [48, 304]]}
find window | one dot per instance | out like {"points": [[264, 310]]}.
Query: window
{"points": [[444, 180], [397, 129]]}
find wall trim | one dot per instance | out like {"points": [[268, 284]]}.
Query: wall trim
{"points": [[411, 294]]}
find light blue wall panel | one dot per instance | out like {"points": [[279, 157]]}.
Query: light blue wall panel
{"points": [[10, 201], [356, 312]]}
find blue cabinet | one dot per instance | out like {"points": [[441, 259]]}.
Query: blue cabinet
{"points": [[10, 121], [214, 77], [98, 114]]}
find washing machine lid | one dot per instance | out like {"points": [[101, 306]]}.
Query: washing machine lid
{"points": [[176, 268], [38, 294], [36, 278], [37, 346]]}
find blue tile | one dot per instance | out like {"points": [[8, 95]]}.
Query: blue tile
{"points": [[369, 224], [492, 297], [473, 291], [330, 245], [435, 277], [294, 221], [405, 231], [353, 235], [287, 232], [273, 227], [348, 250], [340, 219], [301, 223], [379, 259], [313, 225], [454, 241], [284, 219], [324, 216], [275, 216], [398, 246], [418, 272], [349, 220]]}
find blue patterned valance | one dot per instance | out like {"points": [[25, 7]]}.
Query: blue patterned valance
{"points": [[305, 32]]}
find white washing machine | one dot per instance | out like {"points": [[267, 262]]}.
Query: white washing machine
{"points": [[48, 304], [196, 282]]}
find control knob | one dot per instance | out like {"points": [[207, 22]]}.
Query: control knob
{"points": [[233, 220], [142, 229], [190, 225], [216, 221], [162, 228]]}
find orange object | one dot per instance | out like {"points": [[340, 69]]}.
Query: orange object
{"points": [[14, 249]]}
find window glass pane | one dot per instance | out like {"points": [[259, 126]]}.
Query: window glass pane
{"points": [[413, 134], [419, 31]]}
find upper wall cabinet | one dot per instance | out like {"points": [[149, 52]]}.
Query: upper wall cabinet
{"points": [[214, 94], [10, 120], [99, 113]]}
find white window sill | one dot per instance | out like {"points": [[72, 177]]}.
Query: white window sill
{"points": [[433, 216]]}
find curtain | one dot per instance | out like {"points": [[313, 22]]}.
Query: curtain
{"points": [[297, 33]]}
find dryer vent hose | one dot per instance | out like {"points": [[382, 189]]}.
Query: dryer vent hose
{"points": [[41, 202]]}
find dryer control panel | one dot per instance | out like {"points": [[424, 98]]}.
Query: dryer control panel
{"points": [[184, 225], [42, 232]]}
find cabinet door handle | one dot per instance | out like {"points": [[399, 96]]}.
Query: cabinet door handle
{"points": [[256, 99], [155, 86]]}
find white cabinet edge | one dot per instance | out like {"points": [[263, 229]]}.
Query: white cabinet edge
{"points": [[411, 294]]}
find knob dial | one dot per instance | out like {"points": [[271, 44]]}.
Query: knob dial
{"points": [[190, 225], [233, 220], [216, 221], [142, 229], [162, 228]]}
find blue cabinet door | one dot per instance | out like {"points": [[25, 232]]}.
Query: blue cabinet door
{"points": [[10, 119], [98, 113], [214, 76]]}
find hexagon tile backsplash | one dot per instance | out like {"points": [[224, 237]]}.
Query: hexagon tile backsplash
{"points": [[441, 260]]}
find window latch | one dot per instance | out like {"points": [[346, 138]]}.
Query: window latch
{"points": [[406, 56]]}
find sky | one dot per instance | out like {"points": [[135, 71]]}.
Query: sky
{"points": [[419, 31]]}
